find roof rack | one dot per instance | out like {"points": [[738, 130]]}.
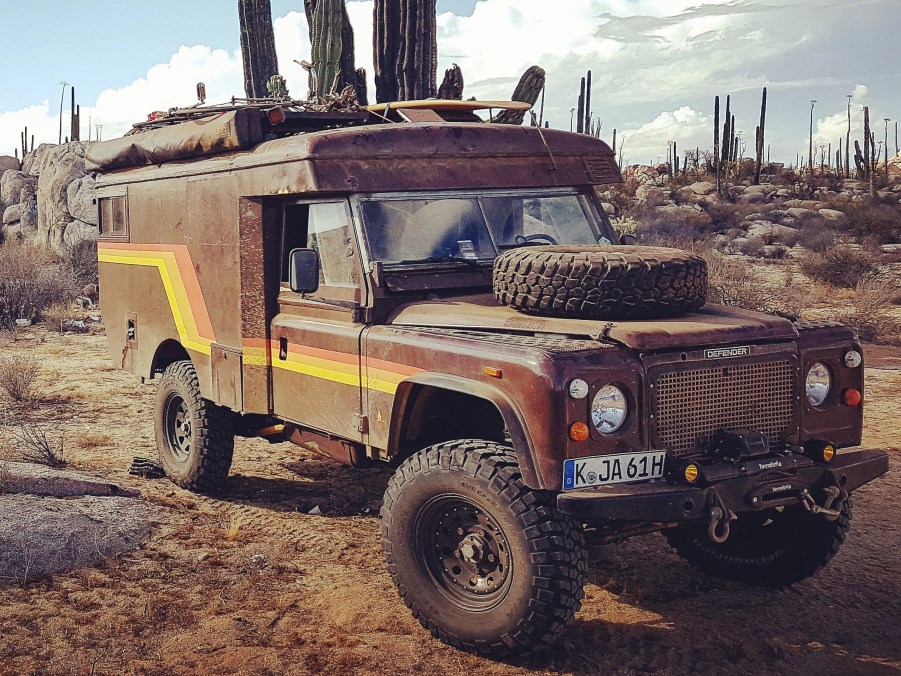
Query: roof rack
{"points": [[280, 117]]}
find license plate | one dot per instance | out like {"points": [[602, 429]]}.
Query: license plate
{"points": [[600, 470]]}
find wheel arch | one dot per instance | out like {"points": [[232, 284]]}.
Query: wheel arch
{"points": [[168, 352], [410, 390]]}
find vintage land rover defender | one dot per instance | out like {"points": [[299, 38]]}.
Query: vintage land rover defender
{"points": [[449, 296]]}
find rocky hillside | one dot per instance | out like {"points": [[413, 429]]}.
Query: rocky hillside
{"points": [[775, 218], [48, 198]]}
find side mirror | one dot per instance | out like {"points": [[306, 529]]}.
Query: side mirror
{"points": [[303, 272], [629, 238]]}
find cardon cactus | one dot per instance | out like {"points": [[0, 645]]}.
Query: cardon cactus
{"points": [[347, 71], [257, 46], [405, 49], [529, 89], [327, 40]]}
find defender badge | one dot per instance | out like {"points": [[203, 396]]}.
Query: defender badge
{"points": [[727, 352]]}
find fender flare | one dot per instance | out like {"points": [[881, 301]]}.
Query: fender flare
{"points": [[509, 411]]}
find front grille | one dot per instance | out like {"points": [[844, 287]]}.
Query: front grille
{"points": [[691, 404]]}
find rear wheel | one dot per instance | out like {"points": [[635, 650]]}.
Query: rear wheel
{"points": [[485, 563], [770, 549], [194, 437]]}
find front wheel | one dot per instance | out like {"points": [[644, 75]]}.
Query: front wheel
{"points": [[194, 437], [485, 563], [775, 548]]}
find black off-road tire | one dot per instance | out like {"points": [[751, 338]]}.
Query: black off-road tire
{"points": [[610, 282], [194, 437], [477, 485], [791, 547]]}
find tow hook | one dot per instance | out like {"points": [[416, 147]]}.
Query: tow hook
{"points": [[832, 505], [720, 518]]}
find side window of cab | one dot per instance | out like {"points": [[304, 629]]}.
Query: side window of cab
{"points": [[113, 213], [327, 228], [331, 234]]}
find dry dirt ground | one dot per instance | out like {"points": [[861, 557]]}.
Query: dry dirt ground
{"points": [[249, 583]]}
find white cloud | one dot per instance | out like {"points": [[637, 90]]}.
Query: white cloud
{"points": [[648, 142]]}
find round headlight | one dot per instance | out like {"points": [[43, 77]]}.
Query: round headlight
{"points": [[578, 389], [818, 383], [609, 409], [853, 359]]}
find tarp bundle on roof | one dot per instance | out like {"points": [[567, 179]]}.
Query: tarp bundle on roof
{"points": [[234, 130]]}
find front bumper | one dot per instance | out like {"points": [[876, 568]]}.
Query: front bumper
{"points": [[742, 487]]}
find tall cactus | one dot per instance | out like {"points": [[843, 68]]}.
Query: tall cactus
{"points": [[528, 89], [348, 72], [405, 49], [587, 125], [327, 41], [257, 46], [759, 138], [580, 113], [716, 141]]}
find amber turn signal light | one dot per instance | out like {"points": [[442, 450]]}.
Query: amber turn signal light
{"points": [[578, 431], [852, 397], [691, 473]]}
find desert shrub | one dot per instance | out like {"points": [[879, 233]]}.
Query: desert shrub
{"points": [[624, 225], [37, 447], [875, 218], [31, 279], [736, 283], [842, 265], [82, 260], [870, 311], [724, 215], [817, 234], [672, 228], [18, 373]]}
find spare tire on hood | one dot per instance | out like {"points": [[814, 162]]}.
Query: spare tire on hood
{"points": [[603, 282]]}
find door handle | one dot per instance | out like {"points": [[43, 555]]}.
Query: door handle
{"points": [[282, 348]]}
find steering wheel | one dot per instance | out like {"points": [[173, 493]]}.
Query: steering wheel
{"points": [[525, 239]]}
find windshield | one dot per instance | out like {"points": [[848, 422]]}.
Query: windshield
{"points": [[473, 228]]}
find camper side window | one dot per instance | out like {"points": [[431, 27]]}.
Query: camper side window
{"points": [[113, 216]]}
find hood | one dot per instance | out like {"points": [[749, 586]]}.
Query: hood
{"points": [[711, 325]]}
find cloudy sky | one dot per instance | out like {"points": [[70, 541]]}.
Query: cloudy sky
{"points": [[656, 64]]}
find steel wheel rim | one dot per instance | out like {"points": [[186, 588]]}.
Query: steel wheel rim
{"points": [[465, 551], [179, 427]]}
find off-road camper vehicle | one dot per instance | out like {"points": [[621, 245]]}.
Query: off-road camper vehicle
{"points": [[450, 297]]}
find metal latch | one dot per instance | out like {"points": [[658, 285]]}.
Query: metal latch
{"points": [[361, 423]]}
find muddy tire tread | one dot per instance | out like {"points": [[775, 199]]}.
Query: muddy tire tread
{"points": [[614, 282], [557, 544], [215, 436]]}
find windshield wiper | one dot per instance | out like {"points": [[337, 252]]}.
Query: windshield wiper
{"points": [[441, 259]]}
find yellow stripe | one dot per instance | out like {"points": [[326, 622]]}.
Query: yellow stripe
{"points": [[192, 342], [332, 371], [381, 385]]}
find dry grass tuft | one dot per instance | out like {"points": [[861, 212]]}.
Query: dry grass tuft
{"points": [[38, 448], [18, 373], [88, 440], [233, 531]]}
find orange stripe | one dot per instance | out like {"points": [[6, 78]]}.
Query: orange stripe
{"points": [[190, 284]]}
